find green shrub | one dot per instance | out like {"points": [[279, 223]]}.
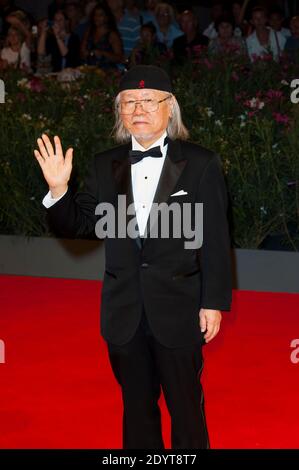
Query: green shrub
{"points": [[243, 113]]}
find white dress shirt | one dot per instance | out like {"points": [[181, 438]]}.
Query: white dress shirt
{"points": [[210, 32], [276, 45], [145, 175]]}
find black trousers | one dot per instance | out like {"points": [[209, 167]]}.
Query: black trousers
{"points": [[141, 367]]}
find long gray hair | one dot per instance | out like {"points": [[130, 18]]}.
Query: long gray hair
{"points": [[175, 129]]}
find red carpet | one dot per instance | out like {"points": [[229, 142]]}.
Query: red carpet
{"points": [[57, 389]]}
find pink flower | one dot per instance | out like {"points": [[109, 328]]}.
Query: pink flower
{"points": [[240, 96], [267, 57], [36, 85], [208, 64], [80, 101], [254, 103], [281, 118], [262, 58], [274, 94], [232, 48], [197, 48]]}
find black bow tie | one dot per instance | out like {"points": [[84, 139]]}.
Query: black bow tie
{"points": [[137, 155]]}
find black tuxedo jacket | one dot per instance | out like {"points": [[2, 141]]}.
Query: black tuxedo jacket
{"points": [[172, 282]]}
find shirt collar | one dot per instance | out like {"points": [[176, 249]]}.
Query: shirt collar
{"points": [[159, 142]]}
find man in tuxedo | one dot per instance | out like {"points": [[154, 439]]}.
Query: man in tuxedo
{"points": [[161, 301]]}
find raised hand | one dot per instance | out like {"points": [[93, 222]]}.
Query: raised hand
{"points": [[55, 167]]}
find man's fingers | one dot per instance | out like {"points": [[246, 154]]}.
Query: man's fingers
{"points": [[210, 322], [203, 323], [39, 158], [69, 156], [208, 336], [212, 331], [209, 333], [48, 145], [42, 148], [58, 147]]}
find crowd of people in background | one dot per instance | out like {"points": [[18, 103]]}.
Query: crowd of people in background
{"points": [[116, 34]]}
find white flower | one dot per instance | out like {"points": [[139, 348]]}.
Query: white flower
{"points": [[243, 124], [22, 82], [263, 210], [284, 82], [27, 116], [218, 123], [209, 112], [242, 117], [256, 103], [274, 146]]}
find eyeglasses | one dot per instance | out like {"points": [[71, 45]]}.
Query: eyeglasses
{"points": [[148, 105]]}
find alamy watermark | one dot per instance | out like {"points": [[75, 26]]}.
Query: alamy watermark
{"points": [[295, 353], [2, 352], [181, 226], [2, 92], [295, 93]]}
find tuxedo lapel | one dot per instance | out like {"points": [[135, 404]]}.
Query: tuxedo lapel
{"points": [[172, 169], [121, 169]]}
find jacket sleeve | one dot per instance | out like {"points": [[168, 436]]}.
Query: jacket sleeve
{"points": [[73, 216], [215, 252]]}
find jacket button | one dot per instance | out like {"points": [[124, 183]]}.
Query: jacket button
{"points": [[145, 265]]}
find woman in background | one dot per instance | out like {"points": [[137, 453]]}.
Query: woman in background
{"points": [[167, 31], [59, 43], [16, 53], [102, 45], [226, 41], [19, 20]]}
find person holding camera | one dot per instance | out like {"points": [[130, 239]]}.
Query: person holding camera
{"points": [[56, 41]]}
